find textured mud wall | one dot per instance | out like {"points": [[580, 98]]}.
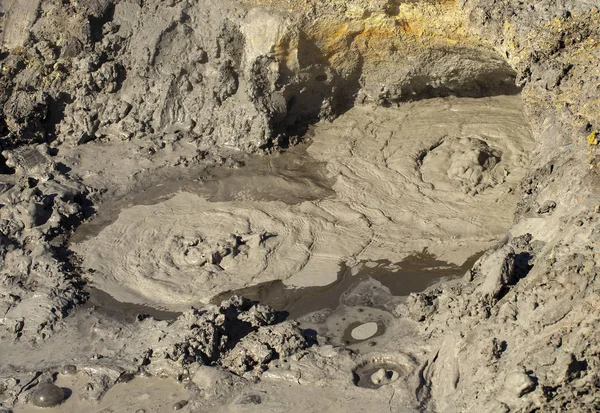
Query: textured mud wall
{"points": [[534, 345], [228, 74]]}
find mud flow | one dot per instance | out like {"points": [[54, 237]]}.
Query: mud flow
{"points": [[403, 195]]}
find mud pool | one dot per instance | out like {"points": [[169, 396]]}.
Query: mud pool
{"points": [[413, 274], [369, 194]]}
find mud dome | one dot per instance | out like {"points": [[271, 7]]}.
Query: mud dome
{"points": [[437, 175]]}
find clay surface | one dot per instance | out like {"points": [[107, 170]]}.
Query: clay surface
{"points": [[427, 167]]}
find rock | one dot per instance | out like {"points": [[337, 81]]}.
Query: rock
{"points": [[25, 114], [48, 395], [518, 383]]}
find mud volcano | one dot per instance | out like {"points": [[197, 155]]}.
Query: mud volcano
{"points": [[252, 205]]}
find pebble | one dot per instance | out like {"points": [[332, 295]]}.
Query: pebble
{"points": [[140, 411], [364, 331], [48, 395], [519, 383], [180, 405]]}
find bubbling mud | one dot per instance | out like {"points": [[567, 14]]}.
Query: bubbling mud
{"points": [[435, 175], [48, 395], [364, 331], [376, 373]]}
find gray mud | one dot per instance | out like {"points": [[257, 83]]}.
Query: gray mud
{"points": [[296, 218], [438, 126], [290, 177], [412, 275], [126, 312]]}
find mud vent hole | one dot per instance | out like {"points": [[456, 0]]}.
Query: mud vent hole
{"points": [[471, 163], [376, 375]]}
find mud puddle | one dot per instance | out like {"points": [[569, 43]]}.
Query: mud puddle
{"points": [[126, 312], [413, 274], [291, 177]]}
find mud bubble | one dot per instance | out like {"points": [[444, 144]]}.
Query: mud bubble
{"points": [[377, 373], [48, 395]]}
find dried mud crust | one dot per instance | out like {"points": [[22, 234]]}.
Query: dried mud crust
{"points": [[518, 333]]}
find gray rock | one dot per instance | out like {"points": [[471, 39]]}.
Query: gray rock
{"points": [[518, 383]]}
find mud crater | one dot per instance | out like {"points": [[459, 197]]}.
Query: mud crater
{"points": [[471, 162], [378, 371]]}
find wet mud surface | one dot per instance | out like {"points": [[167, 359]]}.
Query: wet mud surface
{"points": [[291, 177], [126, 312], [300, 219], [139, 185], [414, 274], [151, 395]]}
